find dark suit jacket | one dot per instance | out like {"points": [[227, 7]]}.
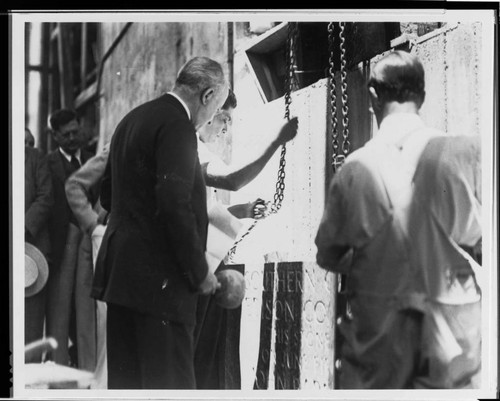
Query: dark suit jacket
{"points": [[38, 199], [61, 213], [152, 257]]}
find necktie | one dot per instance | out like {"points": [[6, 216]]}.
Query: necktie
{"points": [[75, 163]]}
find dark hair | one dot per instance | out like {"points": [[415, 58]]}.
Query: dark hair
{"points": [[230, 102], [200, 73], [61, 117], [399, 76]]}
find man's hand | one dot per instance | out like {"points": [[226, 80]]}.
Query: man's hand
{"points": [[258, 209], [209, 285], [288, 131]]}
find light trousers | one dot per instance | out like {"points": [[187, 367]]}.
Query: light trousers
{"points": [[72, 278], [101, 371]]}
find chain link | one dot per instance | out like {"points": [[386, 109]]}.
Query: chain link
{"points": [[346, 145], [333, 97], [290, 85]]}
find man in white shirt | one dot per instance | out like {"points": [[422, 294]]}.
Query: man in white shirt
{"points": [[365, 234]]}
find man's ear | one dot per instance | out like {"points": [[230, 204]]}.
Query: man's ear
{"points": [[206, 95]]}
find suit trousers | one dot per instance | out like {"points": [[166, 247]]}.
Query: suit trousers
{"points": [[209, 344], [73, 278], [148, 352], [217, 343]]}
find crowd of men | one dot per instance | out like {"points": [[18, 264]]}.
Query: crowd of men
{"points": [[130, 294]]}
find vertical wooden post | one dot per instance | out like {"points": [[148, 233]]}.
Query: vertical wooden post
{"points": [[54, 98], [83, 58], [65, 66], [27, 35], [44, 90]]}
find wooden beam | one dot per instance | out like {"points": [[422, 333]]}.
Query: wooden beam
{"points": [[40, 68], [86, 95], [54, 34]]}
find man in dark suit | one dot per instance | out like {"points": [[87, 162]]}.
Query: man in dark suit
{"points": [[71, 270], [151, 264], [37, 207]]}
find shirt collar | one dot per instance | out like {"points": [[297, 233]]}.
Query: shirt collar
{"points": [[396, 126], [68, 156], [182, 102]]}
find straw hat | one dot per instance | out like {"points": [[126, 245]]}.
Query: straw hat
{"points": [[36, 270], [232, 290]]}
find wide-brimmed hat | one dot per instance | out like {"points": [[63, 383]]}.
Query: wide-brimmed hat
{"points": [[36, 270]]}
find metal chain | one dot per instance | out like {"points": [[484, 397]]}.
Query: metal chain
{"points": [[333, 98], [343, 309], [477, 84], [290, 85], [346, 145], [445, 83]]}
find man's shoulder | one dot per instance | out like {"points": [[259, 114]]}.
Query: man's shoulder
{"points": [[453, 152], [157, 111], [365, 156]]}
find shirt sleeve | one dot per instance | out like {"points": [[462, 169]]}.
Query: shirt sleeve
{"points": [[357, 207], [456, 199], [78, 187]]}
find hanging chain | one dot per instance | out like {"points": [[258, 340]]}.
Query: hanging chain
{"points": [[477, 84], [343, 309], [290, 85], [445, 80], [333, 98], [346, 145]]}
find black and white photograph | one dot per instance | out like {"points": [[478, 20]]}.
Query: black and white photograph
{"points": [[255, 204]]}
